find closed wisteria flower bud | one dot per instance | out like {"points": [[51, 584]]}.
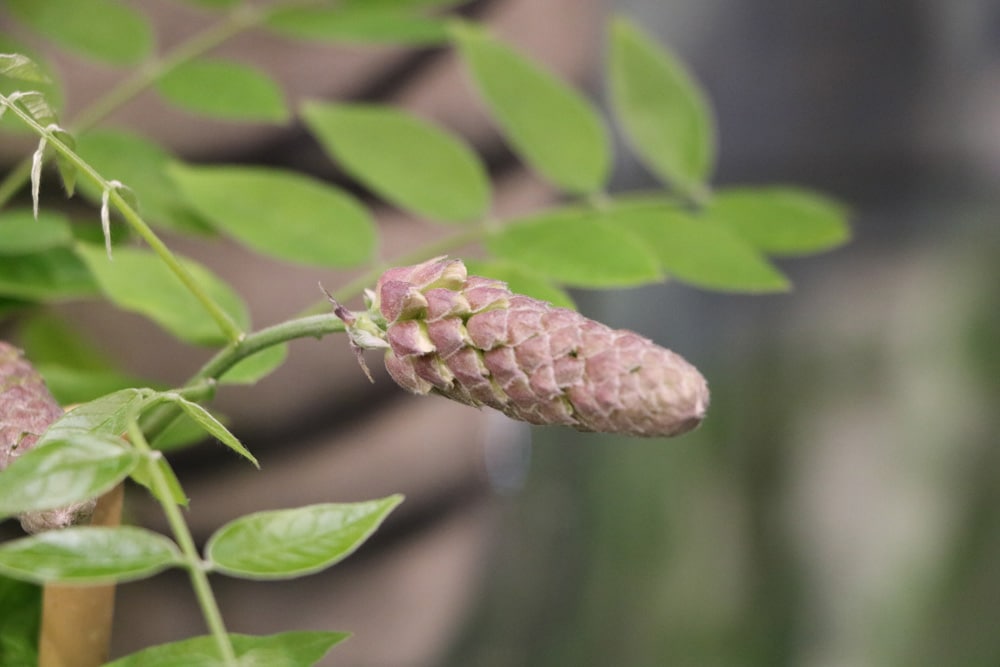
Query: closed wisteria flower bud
{"points": [[473, 340], [26, 410]]}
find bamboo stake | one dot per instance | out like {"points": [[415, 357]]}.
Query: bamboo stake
{"points": [[76, 620]]}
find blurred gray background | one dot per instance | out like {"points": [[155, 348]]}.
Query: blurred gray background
{"points": [[838, 508], [841, 505]]}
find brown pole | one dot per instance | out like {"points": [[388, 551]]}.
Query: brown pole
{"points": [[76, 620]]}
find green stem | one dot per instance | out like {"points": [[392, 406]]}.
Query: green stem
{"points": [[221, 317], [242, 18], [315, 326], [196, 567]]}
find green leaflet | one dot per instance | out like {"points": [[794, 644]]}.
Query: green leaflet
{"points": [[75, 371], [137, 281], [50, 89], [143, 475], [576, 247], [280, 213], [335, 24], [20, 621], [53, 275], [283, 544], [142, 166], [215, 4], [662, 112], [287, 649], [257, 366], [223, 89], [697, 250], [88, 555], [404, 159], [781, 220], [212, 426], [107, 415], [65, 166], [22, 234], [550, 125], [64, 469], [102, 29], [21, 67]]}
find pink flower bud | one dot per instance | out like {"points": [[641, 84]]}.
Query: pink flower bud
{"points": [[26, 410], [472, 340]]}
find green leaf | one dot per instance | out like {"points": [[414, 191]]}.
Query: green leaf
{"points": [[9, 307], [63, 470], [65, 166], [280, 213], [22, 234], [103, 29], [136, 280], [522, 281], [547, 122], [287, 649], [382, 5], [215, 4], [223, 89], [142, 166], [212, 426], [406, 160], [107, 415], [143, 475], [37, 105], [50, 89], [701, 252], [71, 385], [20, 622], [576, 247], [665, 116], [256, 367], [53, 275], [283, 544], [88, 555], [21, 67], [181, 432], [74, 370], [335, 24], [781, 220]]}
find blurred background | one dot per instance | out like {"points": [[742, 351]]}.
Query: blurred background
{"points": [[840, 507], [841, 504]]}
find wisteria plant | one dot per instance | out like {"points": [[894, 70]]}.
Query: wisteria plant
{"points": [[506, 337]]}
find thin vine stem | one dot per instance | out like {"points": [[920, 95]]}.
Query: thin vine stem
{"points": [[241, 19], [231, 330], [192, 559], [314, 326]]}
